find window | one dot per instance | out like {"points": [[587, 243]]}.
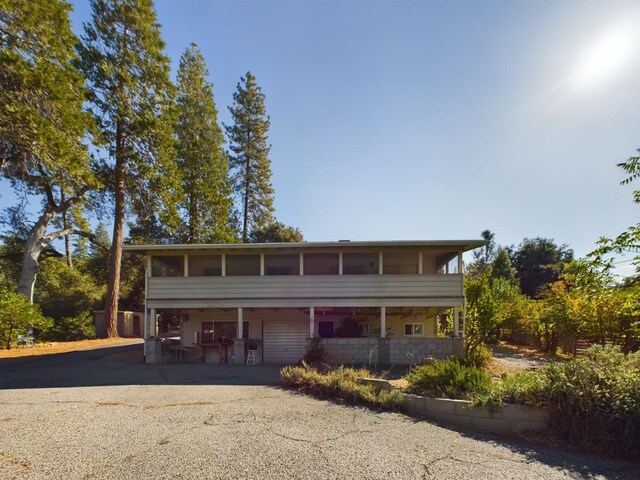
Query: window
{"points": [[413, 329], [221, 332], [167, 266], [325, 329], [239, 265], [360, 263], [282, 264], [205, 265], [320, 263], [400, 263]]}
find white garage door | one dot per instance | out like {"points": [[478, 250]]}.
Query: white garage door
{"points": [[284, 341]]}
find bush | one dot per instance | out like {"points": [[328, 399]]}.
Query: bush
{"points": [[594, 402], [315, 352], [478, 357], [340, 384], [449, 379], [68, 329]]}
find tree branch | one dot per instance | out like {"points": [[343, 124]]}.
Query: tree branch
{"points": [[72, 231]]}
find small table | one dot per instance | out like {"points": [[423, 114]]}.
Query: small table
{"points": [[220, 346]]}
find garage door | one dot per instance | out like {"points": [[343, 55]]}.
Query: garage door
{"points": [[284, 341]]}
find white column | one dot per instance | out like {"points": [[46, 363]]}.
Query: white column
{"points": [[154, 323], [456, 322], [380, 263], [340, 263], [312, 322], [383, 322], [301, 263], [240, 322], [223, 265], [420, 262], [460, 263], [262, 264], [186, 265], [464, 317]]}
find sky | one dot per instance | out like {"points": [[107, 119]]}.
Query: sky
{"points": [[395, 120]]}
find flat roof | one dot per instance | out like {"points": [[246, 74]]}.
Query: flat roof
{"points": [[464, 245]]}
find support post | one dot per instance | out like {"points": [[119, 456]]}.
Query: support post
{"points": [[383, 322], [456, 322], [186, 265], [380, 263], [223, 265], [154, 323], [240, 322], [145, 332], [301, 263], [340, 263], [312, 322], [464, 317], [262, 264], [460, 263], [420, 262]]}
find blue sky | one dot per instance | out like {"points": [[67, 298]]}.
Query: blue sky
{"points": [[432, 120]]}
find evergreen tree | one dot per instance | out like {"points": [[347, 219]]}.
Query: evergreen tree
{"points": [[276, 232], [502, 266], [42, 122], [249, 159], [122, 57], [205, 168]]}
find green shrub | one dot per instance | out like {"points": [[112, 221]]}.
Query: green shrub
{"points": [[594, 402], [67, 329], [315, 352], [449, 379], [340, 384], [478, 357]]}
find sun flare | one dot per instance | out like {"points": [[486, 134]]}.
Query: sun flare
{"points": [[606, 57]]}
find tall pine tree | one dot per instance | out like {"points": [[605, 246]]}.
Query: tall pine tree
{"points": [[249, 160], [207, 198], [128, 72], [42, 122]]}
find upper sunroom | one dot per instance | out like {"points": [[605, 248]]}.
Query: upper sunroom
{"points": [[426, 257]]}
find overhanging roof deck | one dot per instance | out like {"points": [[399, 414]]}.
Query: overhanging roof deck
{"points": [[434, 245]]}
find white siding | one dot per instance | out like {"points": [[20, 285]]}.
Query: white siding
{"points": [[306, 287]]}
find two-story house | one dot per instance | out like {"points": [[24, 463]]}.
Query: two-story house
{"points": [[375, 302]]}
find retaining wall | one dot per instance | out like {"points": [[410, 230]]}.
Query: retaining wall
{"points": [[507, 420]]}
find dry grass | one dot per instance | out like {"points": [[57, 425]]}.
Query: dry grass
{"points": [[63, 347]]}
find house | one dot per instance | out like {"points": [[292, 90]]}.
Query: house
{"points": [[375, 302]]}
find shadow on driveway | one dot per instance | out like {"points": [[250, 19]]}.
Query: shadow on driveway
{"points": [[123, 365]]}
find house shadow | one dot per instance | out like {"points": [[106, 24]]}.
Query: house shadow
{"points": [[124, 365]]}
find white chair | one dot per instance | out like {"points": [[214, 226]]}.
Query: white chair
{"points": [[251, 357]]}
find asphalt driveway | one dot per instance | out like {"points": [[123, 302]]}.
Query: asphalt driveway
{"points": [[105, 414]]}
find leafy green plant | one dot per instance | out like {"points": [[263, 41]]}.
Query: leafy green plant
{"points": [[16, 314], [594, 402], [341, 384], [315, 352], [449, 379], [478, 357]]}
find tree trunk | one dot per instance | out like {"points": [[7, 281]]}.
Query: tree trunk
{"points": [[67, 237], [193, 220], [33, 247], [110, 323], [246, 204]]}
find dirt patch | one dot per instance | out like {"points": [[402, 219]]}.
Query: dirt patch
{"points": [[64, 347]]}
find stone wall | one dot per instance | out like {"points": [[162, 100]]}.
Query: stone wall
{"points": [[390, 351]]}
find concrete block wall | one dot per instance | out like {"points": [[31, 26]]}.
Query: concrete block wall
{"points": [[351, 350], [396, 351], [403, 351], [508, 420]]}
